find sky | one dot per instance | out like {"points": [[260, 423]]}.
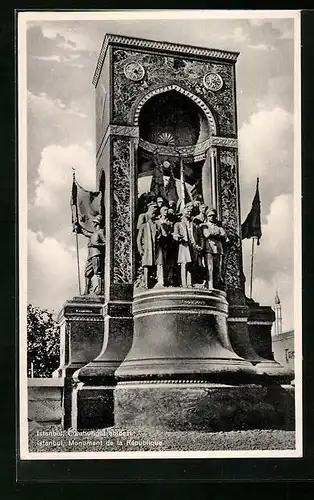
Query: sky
{"points": [[60, 100]]}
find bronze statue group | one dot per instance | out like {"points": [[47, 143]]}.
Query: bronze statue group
{"points": [[183, 249], [174, 249]]}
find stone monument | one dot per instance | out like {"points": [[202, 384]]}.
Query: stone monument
{"points": [[176, 347]]}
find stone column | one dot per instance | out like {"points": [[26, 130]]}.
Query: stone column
{"points": [[117, 161], [119, 264]]}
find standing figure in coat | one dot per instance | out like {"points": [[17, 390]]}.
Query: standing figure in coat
{"points": [[191, 243], [215, 236], [146, 241], [163, 242]]}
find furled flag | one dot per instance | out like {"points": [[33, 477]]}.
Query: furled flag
{"points": [[157, 185], [252, 224], [171, 188], [85, 205], [196, 190]]}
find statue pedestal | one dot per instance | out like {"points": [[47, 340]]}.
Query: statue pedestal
{"points": [[116, 342], [81, 324], [92, 407], [92, 397], [249, 330], [202, 406], [182, 373], [260, 323], [181, 333]]}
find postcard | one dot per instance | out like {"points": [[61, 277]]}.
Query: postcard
{"points": [[160, 234]]}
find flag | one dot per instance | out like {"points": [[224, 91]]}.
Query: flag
{"points": [[187, 195], [187, 198], [252, 224], [171, 188], [196, 190], [157, 185], [85, 205]]}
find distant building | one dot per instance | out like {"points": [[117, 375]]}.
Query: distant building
{"points": [[282, 342], [283, 348], [278, 314]]}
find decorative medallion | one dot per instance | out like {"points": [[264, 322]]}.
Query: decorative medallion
{"points": [[213, 81], [166, 138], [134, 71]]}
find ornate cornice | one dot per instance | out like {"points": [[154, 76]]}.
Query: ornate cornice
{"points": [[141, 43], [185, 151], [122, 130], [237, 320], [165, 381], [85, 318], [226, 142], [260, 322], [188, 151]]}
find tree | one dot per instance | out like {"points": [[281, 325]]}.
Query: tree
{"points": [[43, 342]]}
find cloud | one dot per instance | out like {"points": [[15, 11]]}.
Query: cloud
{"points": [[48, 58], [69, 38], [43, 103], [266, 151], [256, 22], [79, 66], [55, 121], [55, 173], [278, 230], [261, 46], [285, 26], [53, 269], [237, 35]]}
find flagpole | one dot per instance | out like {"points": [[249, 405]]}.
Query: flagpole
{"points": [[77, 245], [252, 265], [182, 180], [78, 264]]}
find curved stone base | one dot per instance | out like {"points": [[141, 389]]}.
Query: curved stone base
{"points": [[203, 406], [117, 340], [241, 332], [269, 369], [181, 334]]}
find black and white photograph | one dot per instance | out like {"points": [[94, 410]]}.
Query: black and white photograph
{"points": [[159, 234]]}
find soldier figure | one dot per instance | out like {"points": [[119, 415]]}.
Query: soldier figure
{"points": [[95, 260], [201, 217], [214, 236], [160, 203], [172, 212]]}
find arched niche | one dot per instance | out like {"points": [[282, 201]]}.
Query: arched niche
{"points": [[171, 118], [177, 125], [137, 107]]}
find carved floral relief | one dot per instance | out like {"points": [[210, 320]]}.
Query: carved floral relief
{"points": [[163, 70], [230, 216], [121, 223]]}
